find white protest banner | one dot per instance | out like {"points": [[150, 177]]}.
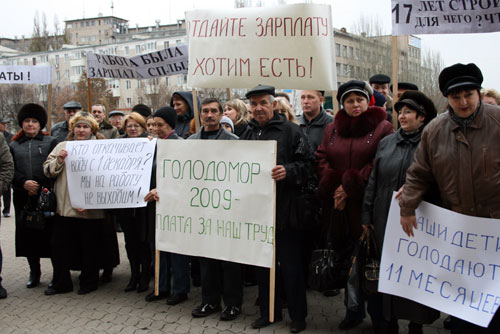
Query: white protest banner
{"points": [[109, 174], [26, 74], [450, 264], [216, 199], [166, 62], [286, 46], [445, 16]]}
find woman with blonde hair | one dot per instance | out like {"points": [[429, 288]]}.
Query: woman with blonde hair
{"points": [[237, 112], [283, 108]]}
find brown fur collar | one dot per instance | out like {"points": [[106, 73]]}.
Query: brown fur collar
{"points": [[359, 126]]}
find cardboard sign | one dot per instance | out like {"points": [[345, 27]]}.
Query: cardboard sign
{"points": [[451, 264], [26, 74], [109, 174], [444, 17], [166, 62], [286, 47], [216, 199]]}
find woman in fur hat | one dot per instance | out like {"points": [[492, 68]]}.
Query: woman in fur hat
{"points": [[30, 147], [345, 160]]}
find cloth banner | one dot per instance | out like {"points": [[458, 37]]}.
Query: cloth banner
{"points": [[109, 173], [445, 16], [216, 199], [41, 74], [451, 264], [286, 46], [171, 61]]}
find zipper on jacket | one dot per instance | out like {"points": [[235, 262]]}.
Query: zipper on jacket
{"points": [[260, 132], [30, 164]]}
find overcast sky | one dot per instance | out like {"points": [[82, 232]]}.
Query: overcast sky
{"points": [[16, 19]]}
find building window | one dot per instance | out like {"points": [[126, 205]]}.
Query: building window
{"points": [[337, 49], [70, 25], [57, 59], [129, 101], [66, 74], [93, 23], [351, 52], [126, 50], [346, 70], [87, 23], [166, 44], [128, 84], [25, 61], [137, 49], [179, 80], [66, 57], [58, 75], [344, 51], [82, 24], [178, 41], [338, 68], [78, 70], [357, 53]]}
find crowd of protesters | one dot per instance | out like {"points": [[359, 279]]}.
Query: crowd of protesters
{"points": [[355, 160]]}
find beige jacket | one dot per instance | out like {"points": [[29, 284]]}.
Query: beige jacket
{"points": [[53, 169]]}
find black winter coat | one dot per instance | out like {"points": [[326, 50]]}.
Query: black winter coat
{"points": [[394, 156], [315, 129], [29, 154], [295, 154]]}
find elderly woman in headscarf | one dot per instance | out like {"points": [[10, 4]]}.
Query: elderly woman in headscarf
{"points": [[394, 156], [30, 147], [76, 231]]}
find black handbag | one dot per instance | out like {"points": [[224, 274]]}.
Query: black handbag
{"points": [[37, 209], [355, 296], [328, 270], [371, 267]]}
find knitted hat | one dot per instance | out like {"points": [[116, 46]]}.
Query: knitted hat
{"points": [[379, 99], [86, 118], [142, 109], [358, 86], [32, 110], [227, 120], [168, 114]]}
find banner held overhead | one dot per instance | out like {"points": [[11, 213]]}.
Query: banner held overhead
{"points": [[286, 46]]}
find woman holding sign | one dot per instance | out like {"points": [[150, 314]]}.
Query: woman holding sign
{"points": [[30, 147], [394, 156], [76, 231], [345, 160], [134, 221]]}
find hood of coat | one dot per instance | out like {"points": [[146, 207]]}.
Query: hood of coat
{"points": [[348, 126]]}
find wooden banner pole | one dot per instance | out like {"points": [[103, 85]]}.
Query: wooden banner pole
{"points": [[228, 94], [49, 108], [157, 272], [195, 111], [272, 271], [89, 95], [395, 80]]}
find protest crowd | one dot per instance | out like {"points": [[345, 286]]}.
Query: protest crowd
{"points": [[335, 177]]}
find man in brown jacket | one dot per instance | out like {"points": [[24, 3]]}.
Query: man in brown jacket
{"points": [[460, 153]]}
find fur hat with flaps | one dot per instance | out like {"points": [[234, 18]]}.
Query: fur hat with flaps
{"points": [[86, 118], [32, 110]]}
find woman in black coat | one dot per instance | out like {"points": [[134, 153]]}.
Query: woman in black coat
{"points": [[30, 147], [134, 222], [394, 156]]}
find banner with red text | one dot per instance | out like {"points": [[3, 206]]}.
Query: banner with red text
{"points": [[445, 16], [286, 46]]}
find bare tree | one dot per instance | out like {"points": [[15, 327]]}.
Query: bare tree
{"points": [[12, 97], [432, 64], [100, 93], [155, 92]]}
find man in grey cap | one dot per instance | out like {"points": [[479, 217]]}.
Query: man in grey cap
{"points": [[60, 130], [116, 119], [7, 192], [294, 163]]}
